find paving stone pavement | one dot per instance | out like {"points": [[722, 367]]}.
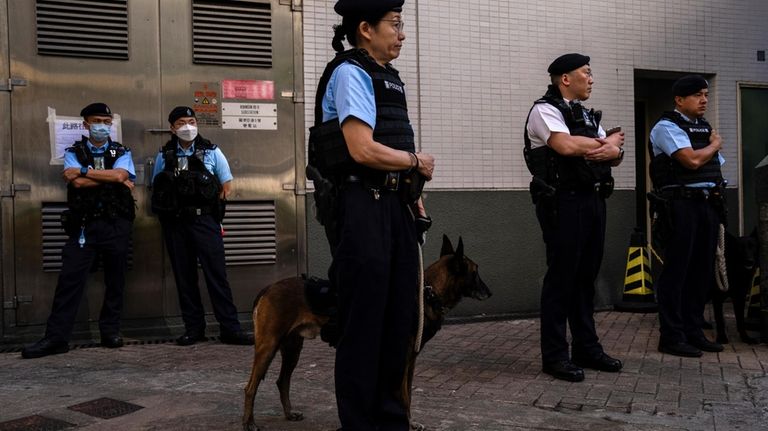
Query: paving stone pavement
{"points": [[470, 377]]}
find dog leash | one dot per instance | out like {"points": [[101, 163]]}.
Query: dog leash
{"points": [[420, 293], [721, 272], [420, 330]]}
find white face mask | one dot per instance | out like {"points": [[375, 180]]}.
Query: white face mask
{"points": [[187, 132]]}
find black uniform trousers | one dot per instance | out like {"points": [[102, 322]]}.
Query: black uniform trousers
{"points": [[573, 225], [687, 279], [375, 270], [189, 239], [108, 238]]}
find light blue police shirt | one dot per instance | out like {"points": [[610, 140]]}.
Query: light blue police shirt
{"points": [[213, 160], [350, 93], [123, 162], [668, 138]]}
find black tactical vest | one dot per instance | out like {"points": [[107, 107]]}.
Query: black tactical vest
{"points": [[192, 191], [564, 172], [328, 151], [667, 171], [107, 200]]}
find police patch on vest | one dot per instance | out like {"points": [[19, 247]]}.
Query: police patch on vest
{"points": [[698, 129], [392, 86]]}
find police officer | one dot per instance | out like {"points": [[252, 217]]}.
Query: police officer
{"points": [[190, 181], [361, 111], [685, 171], [99, 174], [570, 157]]}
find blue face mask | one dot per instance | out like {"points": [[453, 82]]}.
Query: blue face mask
{"points": [[99, 132]]}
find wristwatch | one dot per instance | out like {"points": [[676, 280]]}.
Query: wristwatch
{"points": [[621, 154], [83, 171]]}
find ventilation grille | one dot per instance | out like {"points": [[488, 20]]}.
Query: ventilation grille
{"points": [[82, 28], [250, 233], [234, 33], [54, 237], [250, 239]]}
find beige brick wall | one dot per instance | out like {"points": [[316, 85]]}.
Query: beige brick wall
{"points": [[472, 69]]}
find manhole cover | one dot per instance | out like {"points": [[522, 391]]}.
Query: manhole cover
{"points": [[105, 408], [34, 423]]}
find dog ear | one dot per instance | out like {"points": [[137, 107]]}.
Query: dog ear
{"points": [[459, 253], [458, 265], [447, 246]]}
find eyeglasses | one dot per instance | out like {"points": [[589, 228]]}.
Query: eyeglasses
{"points": [[398, 24]]}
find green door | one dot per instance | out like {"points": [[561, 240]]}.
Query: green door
{"points": [[754, 147]]}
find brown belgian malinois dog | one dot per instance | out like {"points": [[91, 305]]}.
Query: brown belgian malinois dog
{"points": [[282, 318]]}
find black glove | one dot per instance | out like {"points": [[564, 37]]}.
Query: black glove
{"points": [[423, 223]]}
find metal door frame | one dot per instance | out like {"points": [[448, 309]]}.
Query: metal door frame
{"points": [[8, 290]]}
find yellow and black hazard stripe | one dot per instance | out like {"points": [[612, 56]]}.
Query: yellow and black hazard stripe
{"points": [[638, 284]]}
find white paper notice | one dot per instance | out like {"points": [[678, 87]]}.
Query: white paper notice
{"points": [[65, 131]]}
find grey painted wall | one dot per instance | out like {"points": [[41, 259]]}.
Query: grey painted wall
{"points": [[502, 236]]}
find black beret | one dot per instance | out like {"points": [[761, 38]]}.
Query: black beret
{"points": [[367, 8], [689, 84], [180, 111], [96, 109], [566, 63]]}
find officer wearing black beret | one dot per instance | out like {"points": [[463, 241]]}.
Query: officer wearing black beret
{"points": [[373, 234], [191, 180], [570, 157], [685, 171], [99, 173]]}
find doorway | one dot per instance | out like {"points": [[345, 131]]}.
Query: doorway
{"points": [[753, 139]]}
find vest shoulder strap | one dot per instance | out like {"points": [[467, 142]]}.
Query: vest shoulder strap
{"points": [[80, 149], [168, 151], [358, 57]]}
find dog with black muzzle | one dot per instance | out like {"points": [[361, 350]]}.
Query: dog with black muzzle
{"points": [[283, 317], [741, 260]]}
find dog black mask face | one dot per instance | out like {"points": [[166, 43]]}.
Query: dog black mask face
{"points": [[465, 271]]}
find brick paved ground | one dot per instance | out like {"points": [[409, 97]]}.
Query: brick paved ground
{"points": [[477, 376]]}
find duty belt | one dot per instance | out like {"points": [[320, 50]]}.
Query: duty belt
{"points": [[586, 188], [694, 193], [384, 181]]}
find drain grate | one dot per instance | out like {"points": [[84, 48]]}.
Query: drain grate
{"points": [[35, 423], [105, 408]]}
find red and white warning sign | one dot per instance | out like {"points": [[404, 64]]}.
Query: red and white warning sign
{"points": [[248, 89]]}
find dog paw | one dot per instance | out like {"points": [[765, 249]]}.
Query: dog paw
{"points": [[295, 416], [250, 426], [417, 426]]}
